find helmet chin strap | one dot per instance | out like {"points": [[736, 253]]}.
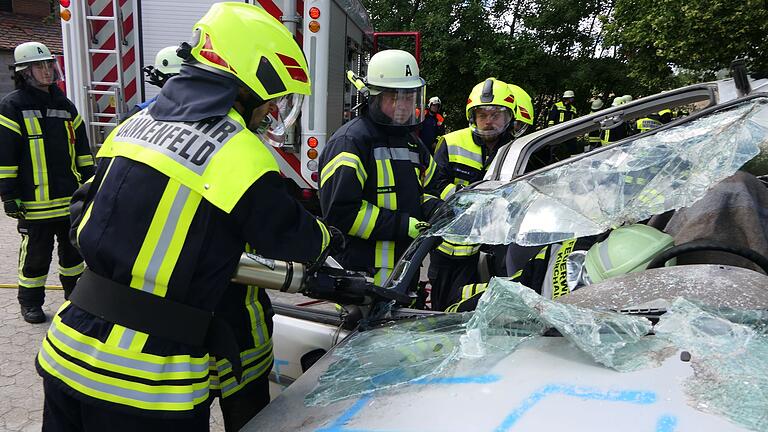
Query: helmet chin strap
{"points": [[249, 102]]}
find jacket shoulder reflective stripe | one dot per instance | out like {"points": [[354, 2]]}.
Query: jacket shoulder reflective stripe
{"points": [[463, 149], [219, 158]]}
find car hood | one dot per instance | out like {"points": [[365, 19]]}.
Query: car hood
{"points": [[504, 367]]}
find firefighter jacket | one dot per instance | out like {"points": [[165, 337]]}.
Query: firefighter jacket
{"points": [[175, 205], [647, 123], [372, 180], [615, 134], [44, 152], [462, 159], [559, 113], [545, 273], [431, 128]]}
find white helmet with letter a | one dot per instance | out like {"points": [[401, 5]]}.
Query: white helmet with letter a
{"points": [[30, 52], [397, 91]]}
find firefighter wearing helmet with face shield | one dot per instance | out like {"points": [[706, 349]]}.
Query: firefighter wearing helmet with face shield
{"points": [[462, 158], [44, 157], [374, 169], [180, 189]]}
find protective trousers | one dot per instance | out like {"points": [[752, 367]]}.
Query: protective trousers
{"points": [[64, 413], [448, 275], [35, 254]]}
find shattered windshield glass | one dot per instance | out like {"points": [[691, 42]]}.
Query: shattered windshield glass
{"points": [[630, 182], [728, 348]]}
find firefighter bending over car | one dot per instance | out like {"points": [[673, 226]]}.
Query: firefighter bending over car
{"points": [[179, 190], [44, 157], [463, 158], [560, 268], [374, 169]]}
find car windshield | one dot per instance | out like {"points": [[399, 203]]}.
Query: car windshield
{"points": [[590, 195], [584, 197]]}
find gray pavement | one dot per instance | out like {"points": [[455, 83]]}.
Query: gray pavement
{"points": [[21, 388]]}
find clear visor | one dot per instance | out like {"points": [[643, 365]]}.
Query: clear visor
{"points": [[398, 107], [274, 128], [520, 128], [490, 121], [42, 73]]}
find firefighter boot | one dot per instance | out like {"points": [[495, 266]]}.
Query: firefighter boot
{"points": [[33, 314]]}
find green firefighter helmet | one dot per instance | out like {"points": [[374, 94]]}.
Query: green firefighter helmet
{"points": [[246, 42], [627, 249]]}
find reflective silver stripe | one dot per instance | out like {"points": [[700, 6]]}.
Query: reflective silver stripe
{"points": [[456, 150], [187, 397], [386, 153], [130, 363], [62, 114], [164, 242], [28, 114], [127, 338], [366, 220], [387, 198]]}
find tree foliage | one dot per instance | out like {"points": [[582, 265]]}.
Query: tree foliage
{"points": [[593, 47]]}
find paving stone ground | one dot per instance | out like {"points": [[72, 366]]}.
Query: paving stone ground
{"points": [[21, 388]]}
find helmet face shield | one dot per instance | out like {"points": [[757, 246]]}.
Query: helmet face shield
{"points": [[398, 107], [42, 73], [520, 128], [274, 128], [490, 121]]}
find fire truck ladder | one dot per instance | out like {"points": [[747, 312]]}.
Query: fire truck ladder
{"points": [[103, 117]]}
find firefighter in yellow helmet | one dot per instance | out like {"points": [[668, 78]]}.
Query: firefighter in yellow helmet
{"points": [[462, 158], [374, 169], [179, 190]]}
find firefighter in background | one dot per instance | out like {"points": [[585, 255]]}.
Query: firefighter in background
{"points": [[563, 110], [462, 158], [593, 138], [179, 190], [560, 268], [432, 126], [373, 170], [620, 130], [167, 65], [44, 157]]}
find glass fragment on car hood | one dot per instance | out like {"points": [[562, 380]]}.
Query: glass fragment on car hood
{"points": [[633, 181], [455, 344], [729, 357]]}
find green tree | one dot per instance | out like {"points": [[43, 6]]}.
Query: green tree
{"points": [[658, 36]]}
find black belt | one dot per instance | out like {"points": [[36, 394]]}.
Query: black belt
{"points": [[156, 316]]}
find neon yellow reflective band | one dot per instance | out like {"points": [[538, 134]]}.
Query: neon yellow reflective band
{"points": [[365, 220], [46, 214], [26, 282], [72, 271], [458, 249], [10, 124], [9, 171], [384, 261], [448, 191], [33, 205], [85, 160], [77, 122], [346, 159], [430, 172], [325, 233], [386, 197]]}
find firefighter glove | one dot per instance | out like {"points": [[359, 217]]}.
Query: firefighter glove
{"points": [[415, 227], [14, 208]]}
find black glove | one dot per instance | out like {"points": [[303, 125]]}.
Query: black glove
{"points": [[14, 209]]}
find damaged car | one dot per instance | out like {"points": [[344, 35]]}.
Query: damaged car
{"points": [[678, 343]]}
